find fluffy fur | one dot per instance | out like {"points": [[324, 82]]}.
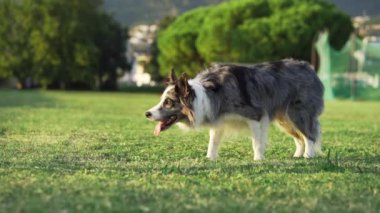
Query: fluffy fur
{"points": [[286, 91]]}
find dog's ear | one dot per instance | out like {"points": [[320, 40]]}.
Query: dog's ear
{"points": [[184, 91], [183, 86], [186, 96], [172, 78]]}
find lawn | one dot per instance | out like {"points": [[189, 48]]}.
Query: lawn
{"points": [[95, 152]]}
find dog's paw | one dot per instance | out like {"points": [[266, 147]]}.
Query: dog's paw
{"points": [[299, 152], [212, 157], [258, 158], [297, 155], [308, 155]]}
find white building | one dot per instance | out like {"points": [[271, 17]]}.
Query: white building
{"points": [[138, 54]]}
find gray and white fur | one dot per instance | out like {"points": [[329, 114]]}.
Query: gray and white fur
{"points": [[287, 91]]}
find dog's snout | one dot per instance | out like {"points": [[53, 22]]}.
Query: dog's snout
{"points": [[148, 114]]}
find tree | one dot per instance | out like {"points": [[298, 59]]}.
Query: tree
{"points": [[15, 30], [177, 45], [66, 44], [249, 31], [110, 39]]}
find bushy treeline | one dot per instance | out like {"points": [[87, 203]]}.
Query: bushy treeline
{"points": [[248, 31], [67, 44]]}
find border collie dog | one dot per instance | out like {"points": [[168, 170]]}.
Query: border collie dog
{"points": [[287, 91]]}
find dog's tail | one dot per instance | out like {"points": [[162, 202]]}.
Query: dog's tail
{"points": [[318, 148], [318, 142]]}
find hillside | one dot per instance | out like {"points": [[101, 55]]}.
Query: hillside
{"points": [[132, 12]]}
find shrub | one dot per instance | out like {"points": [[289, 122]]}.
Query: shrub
{"points": [[249, 31]]}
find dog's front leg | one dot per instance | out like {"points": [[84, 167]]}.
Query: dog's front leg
{"points": [[259, 136], [215, 138]]}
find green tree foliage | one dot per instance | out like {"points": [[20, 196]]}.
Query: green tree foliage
{"points": [[249, 31], [177, 44], [69, 43], [110, 39]]}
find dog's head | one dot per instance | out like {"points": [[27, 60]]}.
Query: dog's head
{"points": [[175, 104]]}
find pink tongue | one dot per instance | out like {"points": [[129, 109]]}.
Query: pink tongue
{"points": [[157, 129]]}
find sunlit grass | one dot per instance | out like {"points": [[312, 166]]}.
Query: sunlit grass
{"points": [[69, 151]]}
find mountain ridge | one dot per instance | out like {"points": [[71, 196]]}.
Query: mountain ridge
{"points": [[132, 12]]}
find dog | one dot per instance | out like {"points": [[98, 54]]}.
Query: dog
{"points": [[286, 91]]}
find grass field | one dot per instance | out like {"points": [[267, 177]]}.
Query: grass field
{"points": [[71, 151]]}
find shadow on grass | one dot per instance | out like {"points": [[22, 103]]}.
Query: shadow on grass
{"points": [[16, 98], [288, 166]]}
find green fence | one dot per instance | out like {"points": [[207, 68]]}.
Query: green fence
{"points": [[352, 72]]}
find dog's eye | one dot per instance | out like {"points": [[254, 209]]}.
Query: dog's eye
{"points": [[168, 103]]}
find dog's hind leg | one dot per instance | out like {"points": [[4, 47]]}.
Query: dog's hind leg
{"points": [[313, 139], [259, 136], [300, 147], [215, 139], [308, 126], [288, 126]]}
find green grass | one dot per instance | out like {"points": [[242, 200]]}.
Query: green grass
{"points": [[71, 152]]}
